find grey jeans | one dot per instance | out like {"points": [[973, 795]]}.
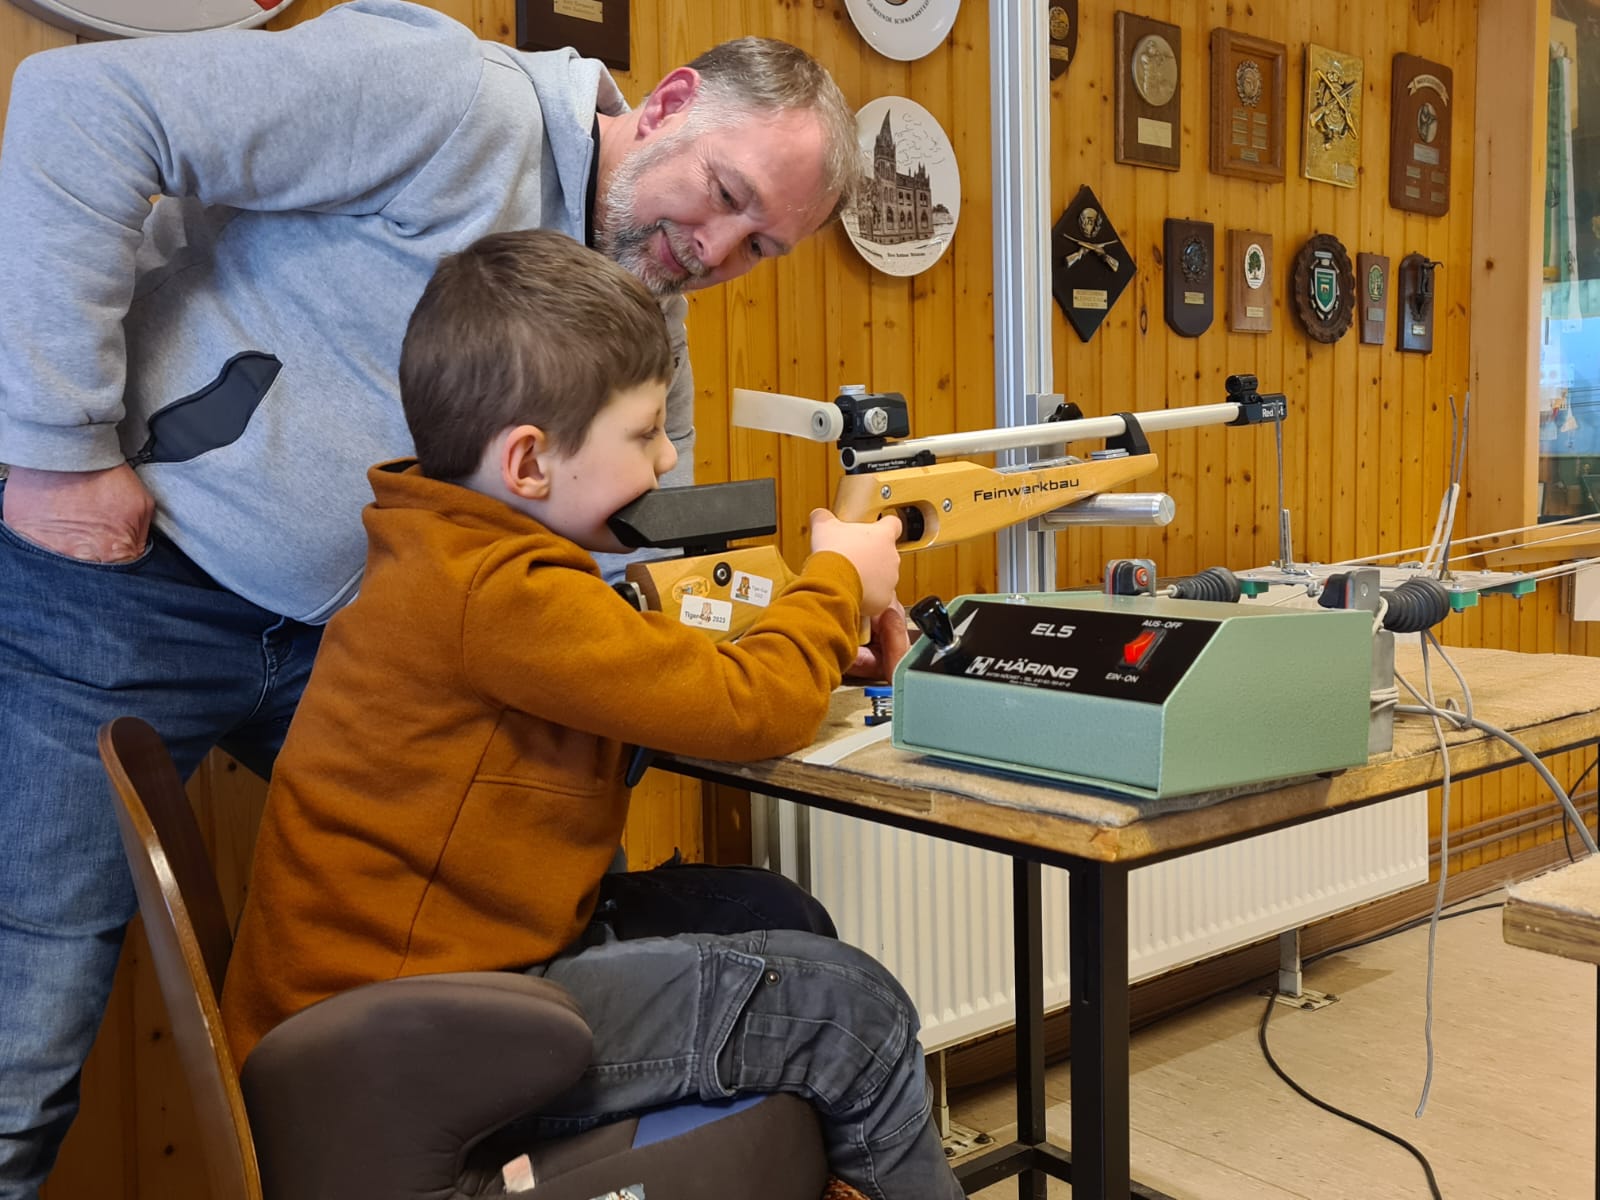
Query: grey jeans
{"points": [[711, 1016]]}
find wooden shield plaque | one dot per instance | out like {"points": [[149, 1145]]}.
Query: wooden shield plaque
{"points": [[1190, 275], [1147, 90], [1248, 92], [595, 28], [1372, 284], [1414, 293], [1089, 265], [1419, 139], [1323, 288], [1063, 18], [1249, 275], [1333, 115]]}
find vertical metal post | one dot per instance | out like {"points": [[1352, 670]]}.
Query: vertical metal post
{"points": [[1019, 104], [1028, 945], [1289, 978]]}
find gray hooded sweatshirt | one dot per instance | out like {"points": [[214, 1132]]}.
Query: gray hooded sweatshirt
{"points": [[311, 180]]}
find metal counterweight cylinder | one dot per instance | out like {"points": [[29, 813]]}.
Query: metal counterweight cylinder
{"points": [[1114, 508]]}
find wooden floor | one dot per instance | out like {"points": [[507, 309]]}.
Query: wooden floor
{"points": [[1511, 1113]]}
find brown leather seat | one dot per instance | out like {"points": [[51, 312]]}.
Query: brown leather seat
{"points": [[410, 1087]]}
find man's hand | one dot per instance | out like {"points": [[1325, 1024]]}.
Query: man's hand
{"points": [[885, 648], [95, 516]]}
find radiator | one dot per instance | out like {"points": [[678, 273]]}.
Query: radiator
{"points": [[939, 915]]}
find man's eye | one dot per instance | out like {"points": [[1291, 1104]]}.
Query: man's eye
{"points": [[727, 196], [755, 248]]}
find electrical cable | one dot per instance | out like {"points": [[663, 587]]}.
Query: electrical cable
{"points": [[1406, 927], [1462, 721], [1566, 823], [1444, 872], [1266, 1050]]}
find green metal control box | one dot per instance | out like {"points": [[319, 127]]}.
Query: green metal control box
{"points": [[1140, 695]]}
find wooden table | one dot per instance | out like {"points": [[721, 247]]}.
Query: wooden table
{"points": [[1550, 702], [1559, 913]]}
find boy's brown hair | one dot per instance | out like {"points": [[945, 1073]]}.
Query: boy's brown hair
{"points": [[526, 327]]}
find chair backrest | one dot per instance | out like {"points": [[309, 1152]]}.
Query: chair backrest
{"points": [[190, 941]]}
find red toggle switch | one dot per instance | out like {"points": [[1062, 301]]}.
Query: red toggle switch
{"points": [[1137, 652]]}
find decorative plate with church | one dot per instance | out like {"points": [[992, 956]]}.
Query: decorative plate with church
{"points": [[907, 212]]}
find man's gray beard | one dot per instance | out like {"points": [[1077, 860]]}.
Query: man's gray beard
{"points": [[629, 248], [627, 244]]}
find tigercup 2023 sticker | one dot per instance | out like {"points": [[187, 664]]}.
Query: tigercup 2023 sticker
{"points": [[705, 613]]}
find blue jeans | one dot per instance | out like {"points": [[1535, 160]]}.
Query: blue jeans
{"points": [[81, 643], [701, 1017]]}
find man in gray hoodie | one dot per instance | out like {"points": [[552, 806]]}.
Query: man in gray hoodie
{"points": [[191, 390]]}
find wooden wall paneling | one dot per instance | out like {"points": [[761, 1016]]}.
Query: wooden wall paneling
{"points": [[802, 365], [166, 1137], [971, 271], [1508, 124], [929, 343]]}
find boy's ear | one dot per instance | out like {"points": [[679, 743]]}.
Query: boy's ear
{"points": [[524, 469], [673, 95]]}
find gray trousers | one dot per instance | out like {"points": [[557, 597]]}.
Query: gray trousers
{"points": [[712, 1016]]}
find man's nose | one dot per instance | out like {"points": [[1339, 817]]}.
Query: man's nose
{"points": [[715, 240], [667, 459]]}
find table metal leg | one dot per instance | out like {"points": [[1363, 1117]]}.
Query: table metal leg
{"points": [[1098, 897], [1027, 934], [1098, 926]]}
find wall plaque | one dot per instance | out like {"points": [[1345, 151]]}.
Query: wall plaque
{"points": [[1248, 90], [1323, 288], [1089, 265], [1414, 315], [1190, 274], [1063, 22], [594, 28], [1333, 115], [1249, 275], [1147, 92], [1419, 138], [1372, 284]]}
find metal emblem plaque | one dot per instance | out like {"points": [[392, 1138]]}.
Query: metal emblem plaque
{"points": [[1089, 265], [1148, 91], [1372, 282], [1249, 274], [1248, 89], [1189, 288], [1324, 288], [1333, 115], [1419, 137]]}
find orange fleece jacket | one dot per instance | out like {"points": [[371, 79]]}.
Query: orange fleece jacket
{"points": [[450, 791]]}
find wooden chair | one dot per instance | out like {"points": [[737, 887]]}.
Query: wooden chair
{"points": [[410, 1087]]}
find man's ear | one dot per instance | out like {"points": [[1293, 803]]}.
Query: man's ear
{"points": [[524, 466], [671, 97]]}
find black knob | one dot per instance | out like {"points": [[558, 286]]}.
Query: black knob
{"points": [[929, 615]]}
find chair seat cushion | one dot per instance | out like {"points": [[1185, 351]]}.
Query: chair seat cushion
{"points": [[767, 1146]]}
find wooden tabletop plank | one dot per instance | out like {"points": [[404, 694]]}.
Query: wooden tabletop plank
{"points": [[1550, 702], [1557, 912]]}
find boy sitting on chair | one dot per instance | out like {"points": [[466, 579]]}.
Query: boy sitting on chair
{"points": [[451, 791]]}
